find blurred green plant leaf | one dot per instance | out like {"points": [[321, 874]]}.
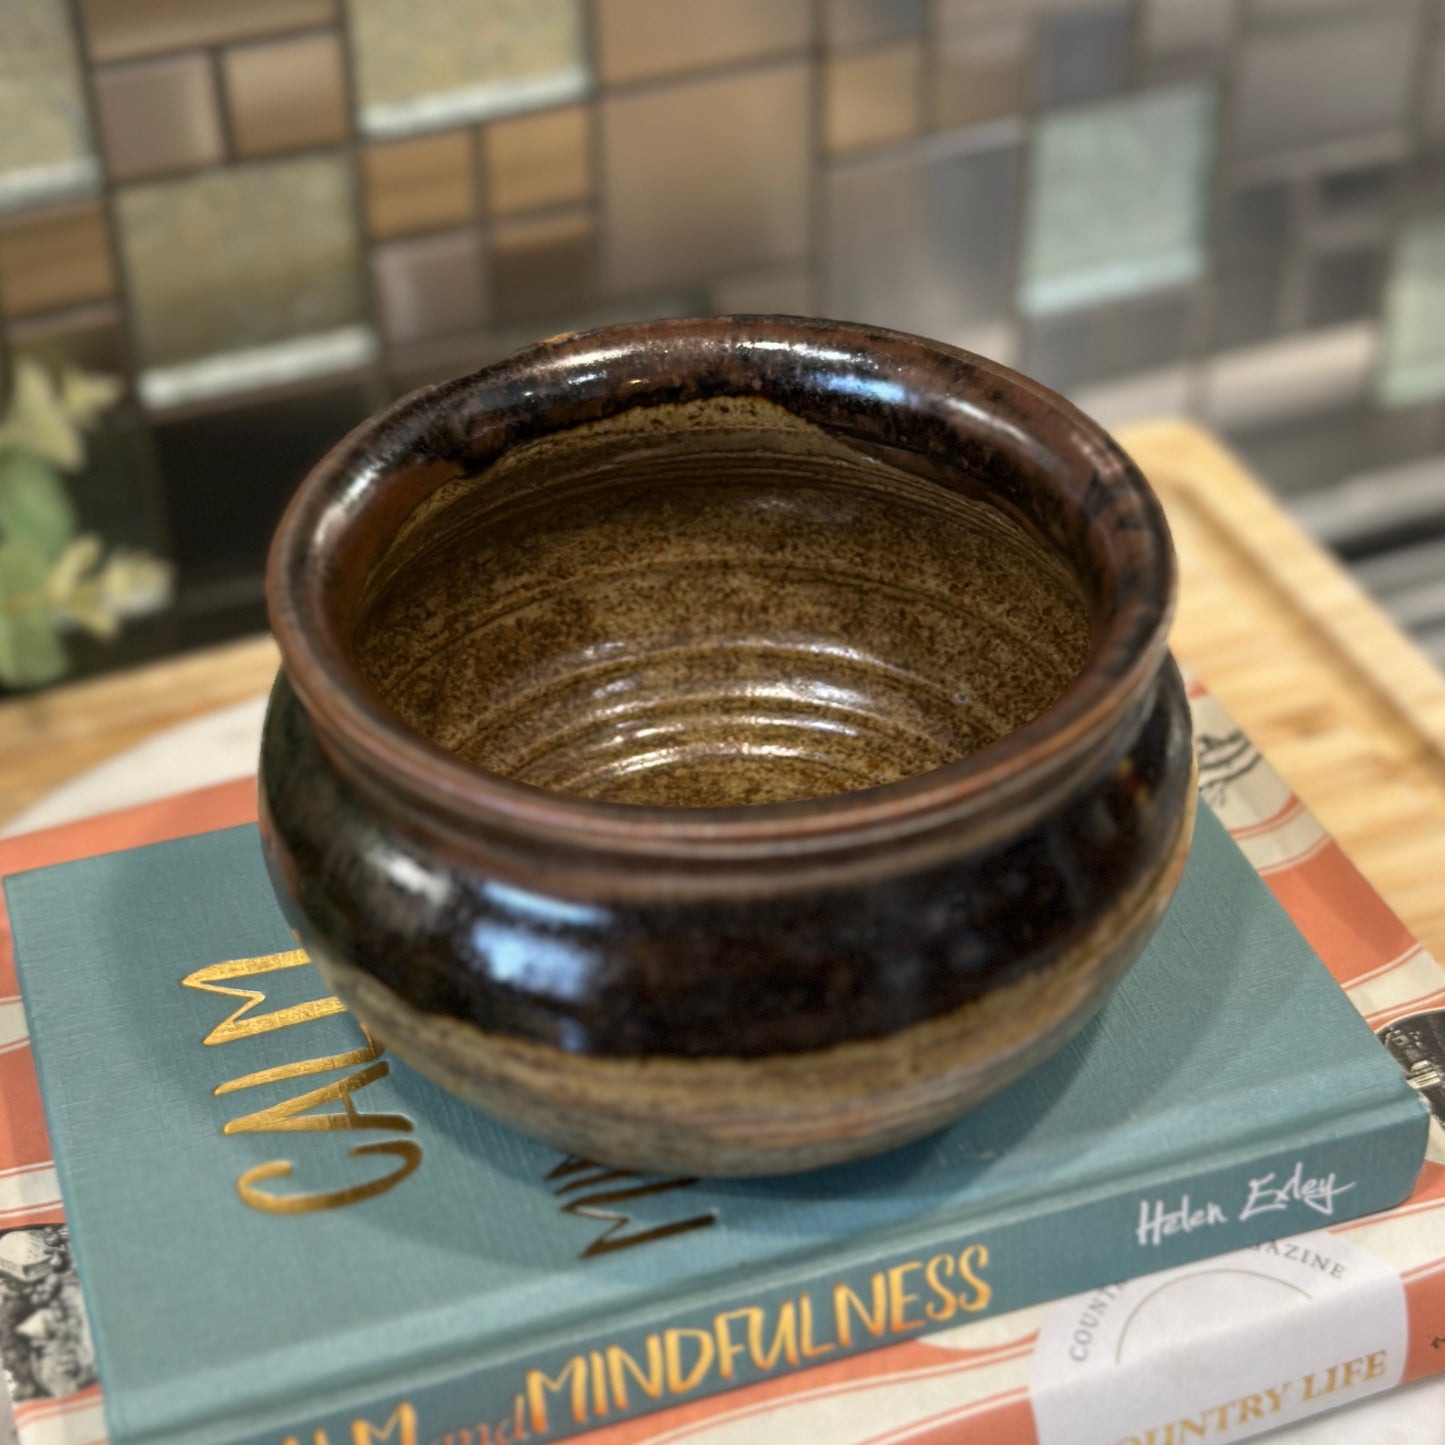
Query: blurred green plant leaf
{"points": [[84, 591], [38, 420], [31, 654], [34, 503], [86, 396]]}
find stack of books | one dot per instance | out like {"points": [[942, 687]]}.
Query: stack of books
{"points": [[227, 1207]]}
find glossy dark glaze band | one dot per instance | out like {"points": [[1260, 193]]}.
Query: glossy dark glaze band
{"points": [[502, 937]]}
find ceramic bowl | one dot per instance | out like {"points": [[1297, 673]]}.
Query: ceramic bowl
{"points": [[725, 746]]}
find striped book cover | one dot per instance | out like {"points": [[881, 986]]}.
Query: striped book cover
{"points": [[1079, 1369]]}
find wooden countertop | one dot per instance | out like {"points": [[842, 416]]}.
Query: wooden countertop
{"points": [[1345, 707]]}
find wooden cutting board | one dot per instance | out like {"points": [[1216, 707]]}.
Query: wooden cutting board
{"points": [[1340, 701], [1345, 707]]}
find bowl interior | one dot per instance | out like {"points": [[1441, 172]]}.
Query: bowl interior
{"points": [[715, 603]]}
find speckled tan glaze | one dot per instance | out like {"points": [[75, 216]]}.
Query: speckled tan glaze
{"points": [[712, 604], [729, 745]]}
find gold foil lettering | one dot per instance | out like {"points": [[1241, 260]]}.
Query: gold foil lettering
{"points": [[785, 1337], [595, 1205], [727, 1347], [514, 1428], [599, 1382], [680, 1381], [944, 1304], [282, 1072], [290, 1116], [402, 1420], [810, 1350], [620, 1363], [293, 1115], [681, 1360], [845, 1302], [899, 1299], [239, 1025], [247, 1185], [971, 1264], [539, 1384], [594, 1173]]}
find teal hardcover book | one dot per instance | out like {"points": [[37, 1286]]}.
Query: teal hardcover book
{"points": [[285, 1236]]}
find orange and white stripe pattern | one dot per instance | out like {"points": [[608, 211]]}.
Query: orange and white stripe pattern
{"points": [[964, 1385], [29, 1194], [77, 1419]]}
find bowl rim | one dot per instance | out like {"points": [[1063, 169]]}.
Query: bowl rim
{"points": [[604, 371]]}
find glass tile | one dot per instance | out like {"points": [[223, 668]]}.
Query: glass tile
{"points": [[89, 336], [1306, 86], [1154, 334], [288, 363], [45, 151], [240, 258], [1105, 338], [113, 491], [228, 475], [1304, 453], [158, 116], [870, 22], [872, 96], [1245, 306], [705, 177], [421, 362], [786, 291], [1427, 181], [539, 160], [639, 39], [286, 94], [982, 65], [1259, 217], [1412, 365], [1343, 286], [1407, 433], [544, 266], [55, 258], [1084, 55], [1119, 199], [125, 29], [926, 242], [443, 63], [1358, 191], [430, 286], [425, 184], [1176, 29], [1057, 351], [1285, 12], [1433, 116]]}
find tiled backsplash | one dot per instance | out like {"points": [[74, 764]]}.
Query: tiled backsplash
{"points": [[273, 215]]}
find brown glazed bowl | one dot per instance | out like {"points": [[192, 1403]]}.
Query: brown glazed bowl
{"points": [[725, 746]]}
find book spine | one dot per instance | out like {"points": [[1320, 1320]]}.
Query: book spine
{"points": [[1247, 1342], [720, 1342]]}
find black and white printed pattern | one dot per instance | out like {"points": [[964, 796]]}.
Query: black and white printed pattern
{"points": [[45, 1346]]}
